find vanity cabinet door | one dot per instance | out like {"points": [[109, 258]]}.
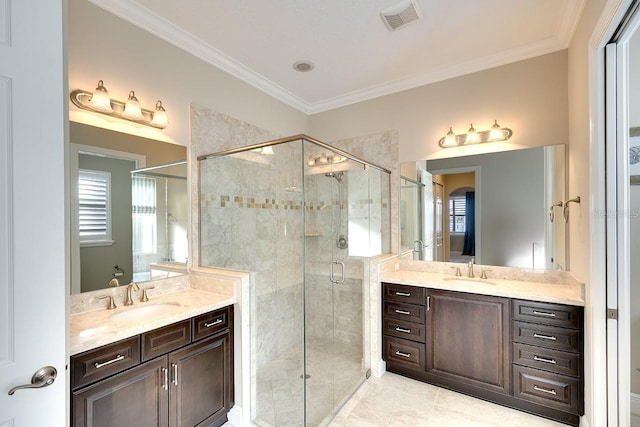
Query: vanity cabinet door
{"points": [[136, 397], [468, 340], [201, 388]]}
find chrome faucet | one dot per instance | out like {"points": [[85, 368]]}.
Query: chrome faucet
{"points": [[471, 267], [132, 286]]}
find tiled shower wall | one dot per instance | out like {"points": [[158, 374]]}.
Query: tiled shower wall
{"points": [[263, 227]]}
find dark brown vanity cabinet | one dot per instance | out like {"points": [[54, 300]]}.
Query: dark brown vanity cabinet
{"points": [[178, 375], [522, 354], [547, 358], [468, 341]]}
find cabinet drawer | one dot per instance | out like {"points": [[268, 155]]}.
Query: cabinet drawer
{"points": [[94, 365], [406, 312], [403, 293], [566, 316], [544, 388], [404, 352], [405, 330], [210, 323], [547, 336], [557, 361], [163, 340]]}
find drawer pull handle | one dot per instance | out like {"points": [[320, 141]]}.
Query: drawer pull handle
{"points": [[544, 359], [544, 390], [399, 353], [405, 312], [406, 331], [543, 313], [403, 294], [109, 362], [174, 381], [545, 337], [217, 322], [164, 382]]}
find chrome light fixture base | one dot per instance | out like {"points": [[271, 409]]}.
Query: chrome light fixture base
{"points": [[490, 135], [82, 100]]}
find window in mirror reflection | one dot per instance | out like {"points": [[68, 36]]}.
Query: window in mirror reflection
{"points": [[94, 207], [143, 199]]}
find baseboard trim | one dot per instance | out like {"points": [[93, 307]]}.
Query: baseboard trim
{"points": [[234, 417]]}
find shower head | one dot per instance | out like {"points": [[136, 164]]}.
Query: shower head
{"points": [[336, 175]]}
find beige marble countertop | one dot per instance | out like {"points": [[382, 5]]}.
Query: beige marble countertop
{"points": [[561, 293], [93, 329]]}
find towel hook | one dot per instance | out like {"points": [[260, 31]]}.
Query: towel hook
{"points": [[565, 211], [551, 215]]}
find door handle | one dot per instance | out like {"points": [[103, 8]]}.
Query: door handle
{"points": [[332, 276], [42, 378]]}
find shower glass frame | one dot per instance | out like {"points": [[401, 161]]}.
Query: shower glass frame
{"points": [[296, 206]]}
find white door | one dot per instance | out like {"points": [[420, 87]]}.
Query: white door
{"points": [[33, 217]]}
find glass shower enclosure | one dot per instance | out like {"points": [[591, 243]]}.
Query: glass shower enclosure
{"points": [[302, 215]]}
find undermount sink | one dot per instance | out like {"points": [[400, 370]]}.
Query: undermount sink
{"points": [[144, 311], [88, 333], [469, 281]]}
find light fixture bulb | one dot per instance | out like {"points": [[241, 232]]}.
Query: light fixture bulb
{"points": [[160, 118], [132, 110], [496, 132], [311, 161], [472, 136], [450, 138], [100, 99]]}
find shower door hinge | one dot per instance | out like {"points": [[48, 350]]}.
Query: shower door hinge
{"points": [[612, 313]]}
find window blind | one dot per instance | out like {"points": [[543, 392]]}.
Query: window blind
{"points": [[94, 216]]}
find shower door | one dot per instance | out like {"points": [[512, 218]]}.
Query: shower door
{"points": [[337, 237]]}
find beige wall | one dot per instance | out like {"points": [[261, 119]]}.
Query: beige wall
{"points": [[529, 97], [103, 46], [580, 257]]}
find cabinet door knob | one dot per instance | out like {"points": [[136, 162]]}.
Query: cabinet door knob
{"points": [[545, 337], [109, 362], [164, 381], [174, 380], [544, 390]]}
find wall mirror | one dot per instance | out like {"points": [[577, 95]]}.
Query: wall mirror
{"points": [[129, 204], [497, 208]]}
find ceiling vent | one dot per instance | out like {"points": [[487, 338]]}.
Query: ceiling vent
{"points": [[402, 14]]}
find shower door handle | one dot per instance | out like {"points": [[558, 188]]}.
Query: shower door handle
{"points": [[332, 276]]}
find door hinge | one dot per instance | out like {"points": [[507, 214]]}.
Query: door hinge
{"points": [[612, 313]]}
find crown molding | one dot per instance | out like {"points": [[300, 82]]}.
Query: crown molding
{"points": [[548, 45], [142, 17]]}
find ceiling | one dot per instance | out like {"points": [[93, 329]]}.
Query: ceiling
{"points": [[355, 56]]}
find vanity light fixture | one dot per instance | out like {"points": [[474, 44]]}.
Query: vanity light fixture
{"points": [[100, 102], [495, 134], [325, 159]]}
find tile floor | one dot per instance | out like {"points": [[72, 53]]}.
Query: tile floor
{"points": [[396, 401], [335, 372]]}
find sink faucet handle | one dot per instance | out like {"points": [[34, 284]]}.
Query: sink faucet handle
{"points": [[483, 275], [145, 297], [112, 303], [458, 272]]}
